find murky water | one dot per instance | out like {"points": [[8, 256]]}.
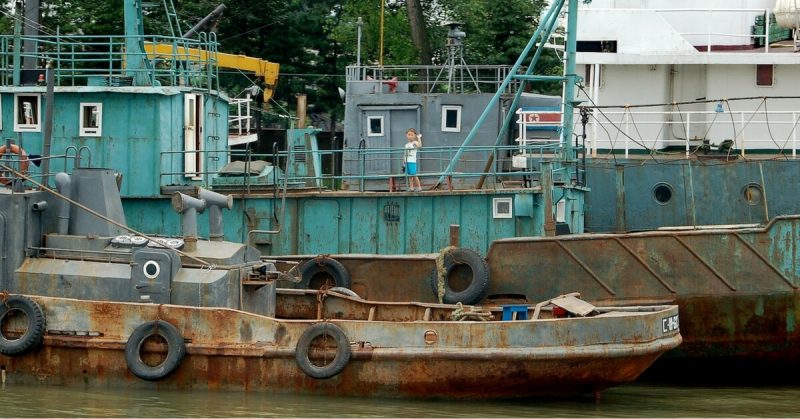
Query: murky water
{"points": [[631, 400]]}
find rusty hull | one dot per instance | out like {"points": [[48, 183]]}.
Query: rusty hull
{"points": [[234, 350], [737, 288]]}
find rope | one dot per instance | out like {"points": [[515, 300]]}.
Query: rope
{"points": [[473, 314], [101, 216], [441, 271]]}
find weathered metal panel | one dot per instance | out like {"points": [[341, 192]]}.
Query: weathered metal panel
{"points": [[363, 218], [418, 215], [320, 226], [705, 192]]}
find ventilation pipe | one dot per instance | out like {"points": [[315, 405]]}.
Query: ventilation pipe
{"points": [[64, 187], [215, 202], [188, 207]]}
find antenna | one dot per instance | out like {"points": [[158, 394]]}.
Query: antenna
{"points": [[455, 64]]}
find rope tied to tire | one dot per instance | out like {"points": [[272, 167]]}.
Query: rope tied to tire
{"points": [[473, 314], [461, 275], [441, 271], [322, 259]]}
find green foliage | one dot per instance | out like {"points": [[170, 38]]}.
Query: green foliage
{"points": [[313, 41]]}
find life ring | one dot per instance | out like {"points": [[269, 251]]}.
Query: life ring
{"points": [[339, 361], [24, 163], [34, 329], [318, 272], [478, 283], [176, 350]]}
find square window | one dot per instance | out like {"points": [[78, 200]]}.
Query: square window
{"points": [[451, 118], [27, 113], [501, 207], [91, 119], [375, 126], [765, 74]]}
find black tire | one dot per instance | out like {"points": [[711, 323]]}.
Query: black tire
{"points": [[340, 360], [176, 350], [478, 284], [34, 331], [315, 274]]}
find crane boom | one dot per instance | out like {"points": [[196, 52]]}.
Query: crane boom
{"points": [[267, 70]]}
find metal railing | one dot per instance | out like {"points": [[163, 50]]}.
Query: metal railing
{"points": [[79, 58], [653, 130], [432, 78]]}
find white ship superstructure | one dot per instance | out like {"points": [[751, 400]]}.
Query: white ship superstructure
{"points": [[696, 61]]}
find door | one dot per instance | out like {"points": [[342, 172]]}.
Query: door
{"points": [[193, 136], [375, 129]]}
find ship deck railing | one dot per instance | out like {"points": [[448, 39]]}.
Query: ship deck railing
{"points": [[81, 60], [384, 165], [635, 129], [463, 78]]}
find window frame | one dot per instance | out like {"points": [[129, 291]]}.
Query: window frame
{"points": [[91, 131], [771, 75], [369, 126], [36, 127], [456, 108], [505, 200]]}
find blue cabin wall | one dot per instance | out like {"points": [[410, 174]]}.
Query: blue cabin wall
{"points": [[139, 127], [358, 223]]}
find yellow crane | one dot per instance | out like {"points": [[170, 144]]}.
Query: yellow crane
{"points": [[262, 68]]}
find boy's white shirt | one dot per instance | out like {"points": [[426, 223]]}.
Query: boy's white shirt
{"points": [[411, 151]]}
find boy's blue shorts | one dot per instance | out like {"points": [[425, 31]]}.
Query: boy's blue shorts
{"points": [[411, 169]]}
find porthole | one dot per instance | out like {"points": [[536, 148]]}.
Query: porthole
{"points": [[662, 193], [151, 269], [753, 194]]}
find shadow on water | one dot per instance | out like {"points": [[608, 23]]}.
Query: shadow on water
{"points": [[626, 401]]}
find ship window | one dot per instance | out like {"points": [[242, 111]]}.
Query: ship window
{"points": [[501, 208], [765, 75], [91, 119], [752, 194], [451, 118], [27, 113], [375, 125], [662, 193]]}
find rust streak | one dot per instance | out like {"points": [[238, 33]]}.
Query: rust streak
{"points": [[645, 265], [710, 268], [586, 268], [765, 260]]}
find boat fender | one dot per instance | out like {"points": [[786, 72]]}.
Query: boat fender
{"points": [[23, 157], [34, 331], [339, 361], [324, 266], [447, 262], [176, 350]]}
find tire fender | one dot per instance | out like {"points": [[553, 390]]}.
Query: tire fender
{"points": [[479, 283], [176, 350], [34, 331], [326, 266], [341, 359]]}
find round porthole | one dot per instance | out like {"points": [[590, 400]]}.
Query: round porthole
{"points": [[662, 193], [151, 269], [753, 194]]}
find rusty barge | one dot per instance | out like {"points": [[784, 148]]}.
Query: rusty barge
{"points": [[90, 303]]}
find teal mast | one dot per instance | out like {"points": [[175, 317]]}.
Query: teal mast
{"points": [[570, 78], [136, 63]]}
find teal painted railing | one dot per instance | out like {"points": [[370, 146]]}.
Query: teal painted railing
{"points": [[79, 58]]}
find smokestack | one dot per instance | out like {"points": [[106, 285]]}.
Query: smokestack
{"points": [[301, 111]]}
